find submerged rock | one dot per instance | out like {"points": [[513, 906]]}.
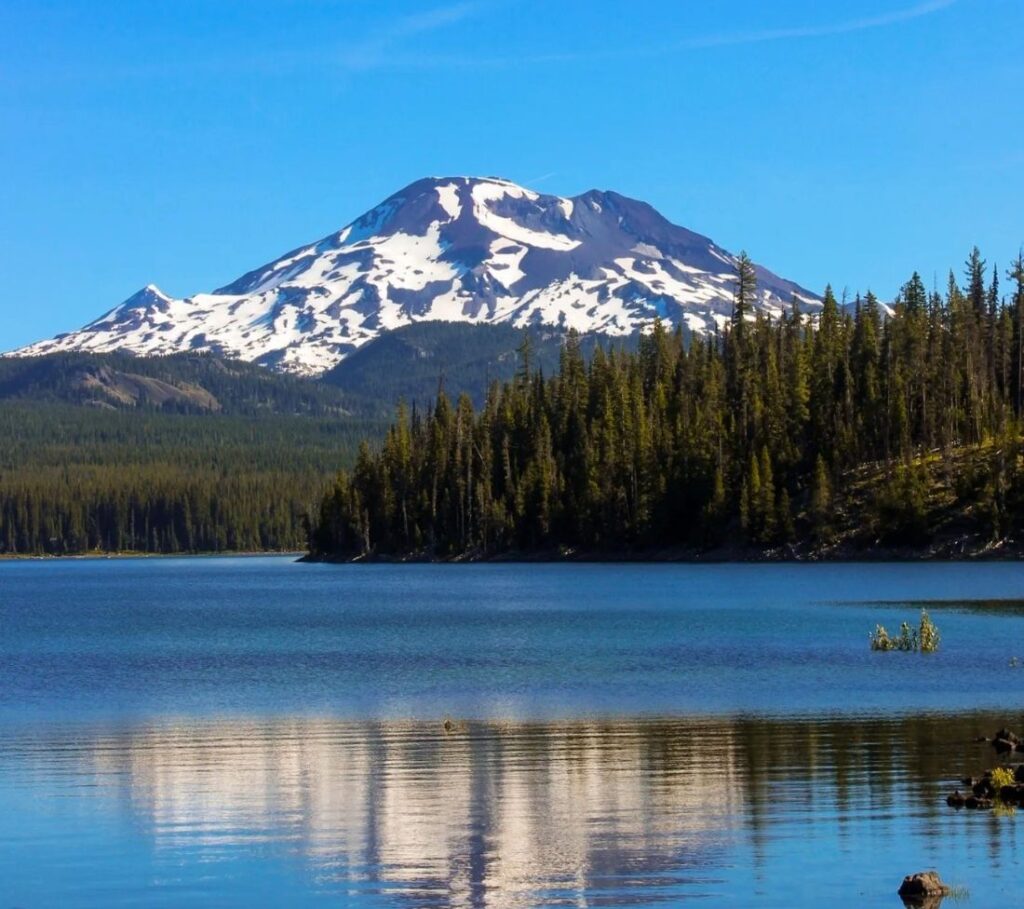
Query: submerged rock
{"points": [[978, 802]]}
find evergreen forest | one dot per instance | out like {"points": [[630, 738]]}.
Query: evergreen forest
{"points": [[79, 479], [752, 437]]}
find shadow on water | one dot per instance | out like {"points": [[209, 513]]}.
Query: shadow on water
{"points": [[743, 810], [1010, 607]]}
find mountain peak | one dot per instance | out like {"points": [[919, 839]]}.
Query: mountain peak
{"points": [[461, 248]]}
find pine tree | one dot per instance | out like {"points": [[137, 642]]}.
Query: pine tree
{"points": [[1016, 274], [821, 502]]}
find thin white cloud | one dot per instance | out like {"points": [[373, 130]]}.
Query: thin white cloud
{"points": [[821, 31], [697, 42], [374, 51], [388, 47], [381, 47], [540, 179]]}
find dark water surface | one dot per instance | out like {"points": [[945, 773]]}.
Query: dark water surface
{"points": [[249, 732]]}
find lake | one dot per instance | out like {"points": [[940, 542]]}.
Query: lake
{"points": [[252, 731]]}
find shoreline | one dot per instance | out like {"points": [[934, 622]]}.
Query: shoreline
{"points": [[947, 551], [125, 556], [952, 550]]}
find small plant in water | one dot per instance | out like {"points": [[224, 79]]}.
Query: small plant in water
{"points": [[1002, 776], [924, 638], [880, 639], [928, 634], [905, 640]]}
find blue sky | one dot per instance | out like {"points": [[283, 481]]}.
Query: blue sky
{"points": [[186, 142]]}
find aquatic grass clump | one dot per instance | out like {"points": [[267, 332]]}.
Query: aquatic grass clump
{"points": [[882, 640], [1002, 776], [925, 638], [928, 634]]}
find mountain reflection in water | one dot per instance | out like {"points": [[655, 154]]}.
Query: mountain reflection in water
{"points": [[492, 814]]}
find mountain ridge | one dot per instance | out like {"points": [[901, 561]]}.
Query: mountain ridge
{"points": [[450, 249], [186, 383]]}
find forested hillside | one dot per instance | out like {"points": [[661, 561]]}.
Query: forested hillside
{"points": [[191, 453], [182, 383], [747, 437], [411, 363]]}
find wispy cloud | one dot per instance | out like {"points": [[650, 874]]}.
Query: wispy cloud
{"points": [[820, 31], [389, 46], [374, 51], [381, 46], [540, 179], [695, 42]]}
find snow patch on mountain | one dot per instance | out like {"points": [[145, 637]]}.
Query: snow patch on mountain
{"points": [[448, 196]]}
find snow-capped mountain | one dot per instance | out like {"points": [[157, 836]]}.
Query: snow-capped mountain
{"points": [[453, 249]]}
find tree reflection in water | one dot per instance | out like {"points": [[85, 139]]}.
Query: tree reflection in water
{"points": [[516, 814]]}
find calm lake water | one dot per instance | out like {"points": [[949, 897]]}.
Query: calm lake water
{"points": [[250, 732]]}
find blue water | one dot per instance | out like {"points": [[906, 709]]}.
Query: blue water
{"points": [[245, 732]]}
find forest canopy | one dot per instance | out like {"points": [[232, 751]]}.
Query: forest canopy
{"points": [[743, 436]]}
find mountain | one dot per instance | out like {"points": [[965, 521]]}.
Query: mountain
{"points": [[453, 249]]}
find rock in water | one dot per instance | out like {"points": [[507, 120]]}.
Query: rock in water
{"points": [[922, 885], [983, 789], [1012, 794]]}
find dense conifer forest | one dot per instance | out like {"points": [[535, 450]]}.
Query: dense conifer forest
{"points": [[191, 453], [82, 479], [750, 437]]}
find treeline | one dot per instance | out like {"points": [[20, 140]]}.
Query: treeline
{"points": [[740, 437], [155, 509], [78, 480]]}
